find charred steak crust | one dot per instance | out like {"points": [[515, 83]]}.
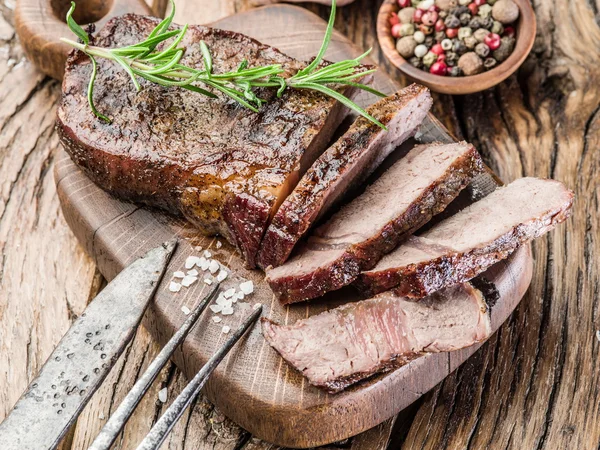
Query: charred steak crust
{"points": [[429, 275], [223, 167], [365, 255], [346, 163], [342, 346]]}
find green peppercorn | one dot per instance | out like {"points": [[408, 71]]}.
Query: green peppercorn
{"points": [[429, 59], [489, 63], [415, 3], [497, 27], [485, 11], [443, 14], [470, 42], [407, 29], [464, 32], [481, 34], [482, 50], [507, 44]]}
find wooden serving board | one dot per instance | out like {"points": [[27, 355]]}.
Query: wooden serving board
{"points": [[254, 386]]}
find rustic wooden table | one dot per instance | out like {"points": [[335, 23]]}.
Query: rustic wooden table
{"points": [[533, 385]]}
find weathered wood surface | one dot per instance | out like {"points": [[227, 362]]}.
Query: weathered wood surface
{"points": [[534, 385]]}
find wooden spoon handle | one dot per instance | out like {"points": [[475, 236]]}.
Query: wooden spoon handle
{"points": [[41, 23]]}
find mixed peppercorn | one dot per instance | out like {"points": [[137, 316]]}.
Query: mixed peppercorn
{"points": [[455, 37]]}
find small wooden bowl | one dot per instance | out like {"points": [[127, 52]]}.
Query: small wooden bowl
{"points": [[525, 36]]}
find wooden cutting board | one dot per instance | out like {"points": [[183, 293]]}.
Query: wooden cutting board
{"points": [[254, 386]]}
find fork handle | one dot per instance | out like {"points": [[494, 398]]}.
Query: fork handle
{"points": [[41, 23]]}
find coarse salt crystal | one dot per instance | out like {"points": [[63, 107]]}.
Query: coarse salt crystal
{"points": [[598, 335], [178, 274], [188, 280], [101, 416], [247, 287], [216, 319], [207, 254], [208, 281], [162, 395], [239, 296], [174, 286], [205, 264], [216, 308], [257, 305], [229, 293], [214, 266], [185, 310], [198, 248], [219, 244], [193, 273], [226, 329], [222, 275], [222, 301], [190, 261], [227, 311]]}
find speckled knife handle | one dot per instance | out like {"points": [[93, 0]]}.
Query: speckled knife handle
{"points": [[41, 23]]}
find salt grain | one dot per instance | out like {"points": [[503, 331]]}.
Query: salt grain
{"points": [[174, 286], [208, 281], [229, 293], [216, 308], [219, 244], [204, 263], [207, 254], [192, 273], [198, 248], [247, 287], [185, 310], [226, 329], [162, 395], [222, 275], [216, 319], [101, 416], [598, 335], [227, 311], [188, 280], [178, 274], [214, 266], [239, 296], [190, 261]]}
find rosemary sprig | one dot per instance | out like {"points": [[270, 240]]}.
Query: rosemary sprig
{"points": [[164, 67]]}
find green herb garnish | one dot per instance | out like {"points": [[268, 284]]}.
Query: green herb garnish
{"points": [[163, 67]]}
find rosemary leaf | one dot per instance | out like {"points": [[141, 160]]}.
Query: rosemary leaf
{"points": [[90, 92], [75, 28], [207, 58]]}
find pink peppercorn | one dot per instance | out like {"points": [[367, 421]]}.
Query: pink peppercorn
{"points": [[440, 25], [429, 18], [441, 58], [396, 30], [480, 2], [509, 31], [437, 49], [403, 3], [433, 8], [451, 32], [439, 68], [394, 20], [418, 15], [473, 8], [492, 40]]}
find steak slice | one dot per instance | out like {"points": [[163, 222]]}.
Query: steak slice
{"points": [[404, 198], [341, 346], [346, 163], [222, 166], [466, 244]]}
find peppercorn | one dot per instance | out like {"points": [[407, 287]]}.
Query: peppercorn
{"points": [[464, 32], [470, 42], [429, 59], [482, 50], [459, 47], [509, 31], [492, 2], [486, 22], [443, 14], [460, 10], [429, 18], [455, 71], [475, 23], [464, 2], [403, 3], [426, 29], [481, 34], [465, 19], [480, 2], [446, 5], [446, 44], [439, 25], [415, 3], [489, 63], [394, 20], [406, 46], [505, 11], [439, 68], [419, 36], [396, 30], [485, 11], [437, 49], [420, 50], [406, 15], [473, 8], [416, 62], [429, 41], [507, 44], [407, 29], [452, 22], [451, 59], [470, 63], [425, 4], [417, 15], [497, 27], [492, 40], [439, 36], [451, 32]]}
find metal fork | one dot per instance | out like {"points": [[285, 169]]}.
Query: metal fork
{"points": [[167, 421]]}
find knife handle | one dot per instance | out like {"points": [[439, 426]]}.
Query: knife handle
{"points": [[41, 23]]}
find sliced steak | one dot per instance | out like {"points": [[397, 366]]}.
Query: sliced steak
{"points": [[339, 347], [346, 163], [466, 244], [404, 198], [224, 167]]}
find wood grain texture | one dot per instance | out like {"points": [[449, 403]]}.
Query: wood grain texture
{"points": [[525, 37], [255, 387]]}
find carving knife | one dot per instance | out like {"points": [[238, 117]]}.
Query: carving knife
{"points": [[84, 356]]}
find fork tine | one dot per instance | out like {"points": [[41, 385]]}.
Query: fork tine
{"points": [[167, 421], [117, 421]]}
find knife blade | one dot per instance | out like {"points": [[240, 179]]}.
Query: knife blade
{"points": [[84, 356]]}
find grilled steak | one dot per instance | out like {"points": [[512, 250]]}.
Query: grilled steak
{"points": [[339, 347], [469, 242], [346, 163], [223, 167], [404, 198]]}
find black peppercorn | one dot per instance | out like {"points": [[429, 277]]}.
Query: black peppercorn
{"points": [[489, 63], [455, 71], [459, 47], [429, 41], [416, 62], [486, 22], [452, 22], [451, 59], [465, 19], [475, 23], [440, 36]]}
